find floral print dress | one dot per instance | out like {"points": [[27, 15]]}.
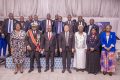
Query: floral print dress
{"points": [[18, 44]]}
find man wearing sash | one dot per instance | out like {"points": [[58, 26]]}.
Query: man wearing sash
{"points": [[34, 38]]}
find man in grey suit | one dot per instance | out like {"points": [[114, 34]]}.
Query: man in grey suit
{"points": [[34, 46], [67, 44], [49, 47]]}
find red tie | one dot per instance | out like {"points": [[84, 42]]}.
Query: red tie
{"points": [[49, 36]]}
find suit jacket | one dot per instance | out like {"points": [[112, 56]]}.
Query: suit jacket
{"points": [[93, 42], [28, 25], [44, 25], [72, 26], [29, 40], [49, 44], [6, 22], [71, 41], [111, 41], [93, 26], [55, 27], [24, 27]]}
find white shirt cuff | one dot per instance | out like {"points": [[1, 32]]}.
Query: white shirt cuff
{"points": [[103, 45], [112, 45]]}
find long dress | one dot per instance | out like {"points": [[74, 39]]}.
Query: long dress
{"points": [[17, 42], [108, 58], [93, 57], [80, 54]]}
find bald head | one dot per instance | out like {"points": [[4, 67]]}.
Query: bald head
{"points": [[91, 21], [21, 18], [35, 17], [66, 28], [48, 16], [49, 28], [80, 18], [69, 17], [11, 16]]}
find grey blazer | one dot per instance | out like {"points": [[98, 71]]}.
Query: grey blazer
{"points": [[71, 41]]}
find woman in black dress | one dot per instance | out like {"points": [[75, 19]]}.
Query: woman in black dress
{"points": [[93, 52]]}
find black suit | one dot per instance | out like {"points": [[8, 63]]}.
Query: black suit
{"points": [[5, 27], [81, 23], [93, 26], [44, 26], [49, 47], [66, 49]]}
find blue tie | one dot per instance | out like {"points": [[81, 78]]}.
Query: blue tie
{"points": [[10, 27], [59, 27]]}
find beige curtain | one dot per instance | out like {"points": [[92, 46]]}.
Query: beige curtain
{"points": [[88, 8]]}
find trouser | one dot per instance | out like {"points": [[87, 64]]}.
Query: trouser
{"points": [[3, 45], [8, 42], [49, 55], [35, 55], [66, 58], [58, 52]]}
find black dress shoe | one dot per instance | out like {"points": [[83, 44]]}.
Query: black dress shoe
{"points": [[46, 70], [39, 70], [104, 73], [63, 70], [95, 73], [69, 71], [77, 70], [52, 70], [82, 70], [30, 70], [110, 73]]}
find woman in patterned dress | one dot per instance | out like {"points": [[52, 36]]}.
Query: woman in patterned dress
{"points": [[108, 59], [18, 47]]}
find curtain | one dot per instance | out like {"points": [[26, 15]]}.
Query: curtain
{"points": [[87, 8]]}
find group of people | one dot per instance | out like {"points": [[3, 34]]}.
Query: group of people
{"points": [[92, 51]]}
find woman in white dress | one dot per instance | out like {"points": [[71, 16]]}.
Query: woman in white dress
{"points": [[80, 49]]}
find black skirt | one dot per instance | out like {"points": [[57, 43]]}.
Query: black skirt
{"points": [[93, 62]]}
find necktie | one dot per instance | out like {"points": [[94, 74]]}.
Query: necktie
{"points": [[69, 22], [61, 26], [10, 27], [66, 38], [49, 36]]}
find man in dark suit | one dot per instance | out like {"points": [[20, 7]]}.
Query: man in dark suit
{"points": [[58, 28], [38, 22], [8, 28], [22, 22], [67, 44], [46, 23], [70, 23], [55, 21], [49, 47], [92, 25], [81, 21], [28, 22], [33, 46]]}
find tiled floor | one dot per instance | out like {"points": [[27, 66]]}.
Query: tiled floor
{"points": [[7, 74]]}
